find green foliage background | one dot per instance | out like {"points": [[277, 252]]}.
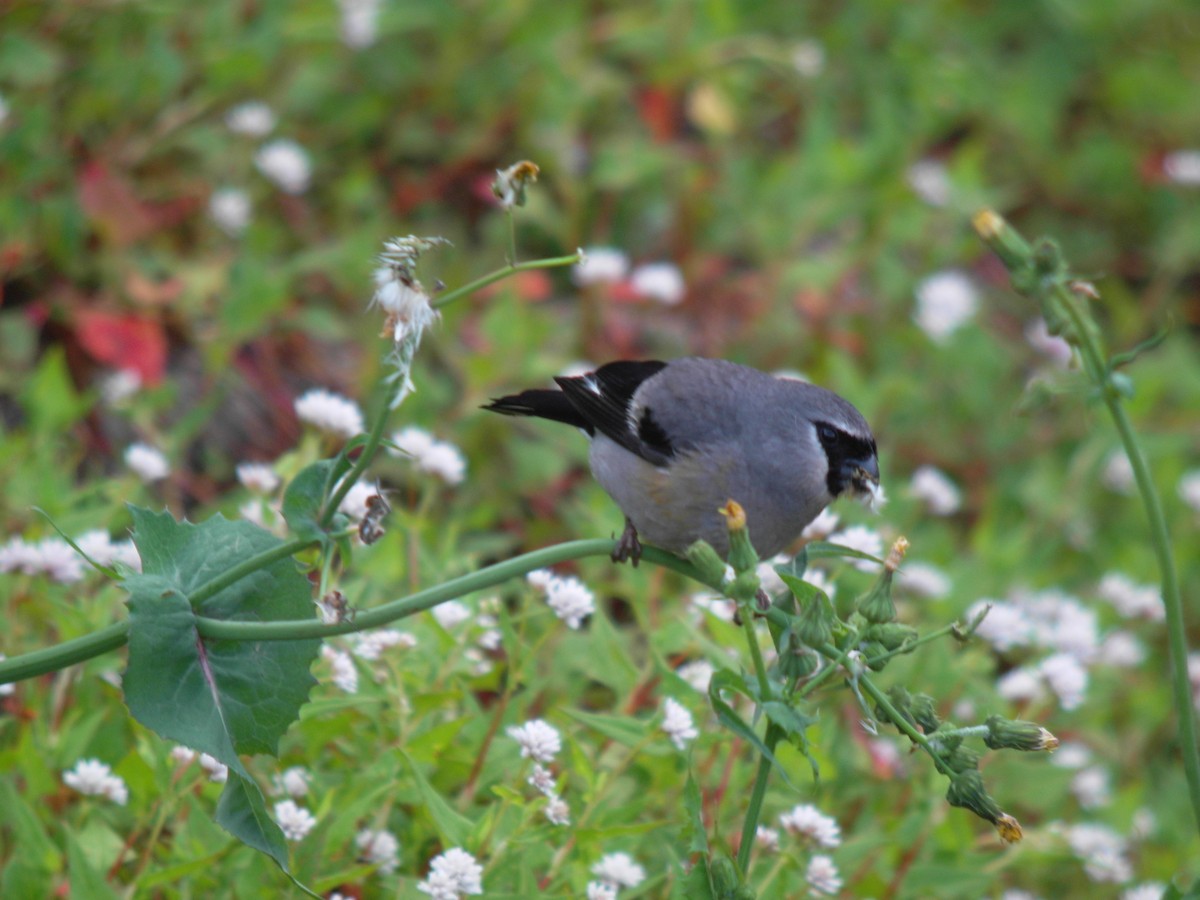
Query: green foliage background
{"points": [[672, 130]]}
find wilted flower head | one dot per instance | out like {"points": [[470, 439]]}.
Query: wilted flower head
{"points": [[509, 186], [330, 412], [452, 875], [285, 163], [945, 302]]}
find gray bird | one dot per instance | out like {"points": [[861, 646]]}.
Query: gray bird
{"points": [[672, 442]]}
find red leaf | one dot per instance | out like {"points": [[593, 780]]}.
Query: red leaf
{"points": [[110, 202], [124, 341]]}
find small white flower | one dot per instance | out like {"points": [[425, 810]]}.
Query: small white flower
{"points": [[542, 779], [698, 673], [931, 485], [601, 890], [293, 781], [450, 613], [360, 22], [1019, 685], [119, 385], [354, 504], [344, 675], [295, 821], [678, 724], [94, 778], [808, 58], [571, 601], [257, 477], [146, 462], [1071, 755], [1122, 650], [1189, 489], [1101, 850], [824, 524], [439, 458], [1067, 678], [1183, 167], [369, 645], [945, 302], [58, 560], [540, 578], [863, 539], [539, 740], [1150, 890], [1006, 625], [1130, 599], [767, 838], [822, 876], [379, 848], [1091, 787], [330, 412], [217, 771], [285, 163], [660, 281], [253, 118], [812, 825], [1117, 474], [557, 811], [923, 580], [18, 556], [600, 265], [452, 875], [230, 210], [619, 870], [1049, 345], [930, 181]]}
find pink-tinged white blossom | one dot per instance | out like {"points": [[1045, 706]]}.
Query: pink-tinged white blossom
{"points": [[719, 607], [568, 597], [295, 821], [542, 779], [330, 412], [557, 811], [822, 876], [600, 265], [1131, 599], [354, 504], [1054, 348], [1066, 677], [119, 385], [660, 281], [678, 724], [946, 301], [370, 645], [1150, 890], [379, 848], [1019, 685], [1071, 755], [453, 875], [292, 781], [94, 778], [823, 525], [1121, 650], [697, 673], [342, 670], [147, 463], [619, 870], [766, 838], [601, 890], [812, 826], [285, 163], [934, 488], [539, 740]]}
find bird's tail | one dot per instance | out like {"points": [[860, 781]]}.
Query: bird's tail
{"points": [[542, 404]]}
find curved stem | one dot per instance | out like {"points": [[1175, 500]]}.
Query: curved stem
{"points": [[470, 287], [68, 653]]}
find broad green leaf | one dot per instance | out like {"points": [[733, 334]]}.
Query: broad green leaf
{"points": [[621, 729], [694, 836], [304, 497], [727, 716], [220, 697], [242, 812], [826, 550], [86, 882], [453, 827], [795, 727], [796, 566]]}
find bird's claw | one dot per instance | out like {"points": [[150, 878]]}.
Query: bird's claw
{"points": [[628, 546]]}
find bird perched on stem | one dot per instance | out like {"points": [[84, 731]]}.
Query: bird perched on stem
{"points": [[671, 442]]}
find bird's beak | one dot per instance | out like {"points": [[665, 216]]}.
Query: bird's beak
{"points": [[863, 475]]}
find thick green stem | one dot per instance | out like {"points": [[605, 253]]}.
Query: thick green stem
{"points": [[1056, 293], [757, 794]]}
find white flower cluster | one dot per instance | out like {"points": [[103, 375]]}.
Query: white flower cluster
{"points": [[946, 301], [360, 22], [379, 848], [678, 724], [57, 560], [934, 488], [94, 778], [613, 872], [330, 412], [1056, 622], [293, 781], [541, 742], [217, 771], [343, 674], [294, 820], [440, 458], [147, 462], [285, 163], [812, 826], [370, 645], [567, 596], [661, 282], [453, 875]]}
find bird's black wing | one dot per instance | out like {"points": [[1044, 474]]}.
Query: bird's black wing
{"points": [[604, 399]]}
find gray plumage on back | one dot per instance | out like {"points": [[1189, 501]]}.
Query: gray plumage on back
{"points": [[671, 443]]}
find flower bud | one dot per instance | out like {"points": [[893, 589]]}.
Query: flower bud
{"points": [[924, 714], [814, 625], [892, 635], [961, 759], [1014, 734], [876, 606], [741, 553], [967, 791], [872, 650], [795, 660], [710, 566]]}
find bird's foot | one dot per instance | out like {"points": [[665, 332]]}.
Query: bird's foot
{"points": [[628, 546]]}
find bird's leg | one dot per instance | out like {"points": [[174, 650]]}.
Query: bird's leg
{"points": [[628, 547]]}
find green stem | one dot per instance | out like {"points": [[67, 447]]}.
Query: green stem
{"points": [[248, 566], [450, 296], [757, 794], [895, 718], [68, 653]]}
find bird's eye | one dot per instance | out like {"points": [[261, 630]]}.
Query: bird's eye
{"points": [[826, 433]]}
